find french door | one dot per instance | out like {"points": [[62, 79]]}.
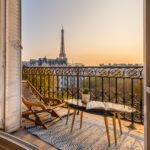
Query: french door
{"points": [[147, 74], [10, 65]]}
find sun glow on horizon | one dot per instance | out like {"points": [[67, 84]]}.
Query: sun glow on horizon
{"points": [[96, 31]]}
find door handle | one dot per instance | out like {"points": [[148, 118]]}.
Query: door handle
{"points": [[19, 43]]}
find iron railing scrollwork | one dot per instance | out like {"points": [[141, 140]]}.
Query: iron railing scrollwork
{"points": [[117, 84]]}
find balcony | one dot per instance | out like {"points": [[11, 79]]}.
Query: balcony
{"points": [[131, 139], [122, 85]]}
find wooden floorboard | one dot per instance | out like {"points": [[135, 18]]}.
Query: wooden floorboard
{"points": [[33, 139]]}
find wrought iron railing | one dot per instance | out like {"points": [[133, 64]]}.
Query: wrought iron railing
{"points": [[123, 85]]}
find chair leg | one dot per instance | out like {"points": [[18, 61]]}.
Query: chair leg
{"points": [[107, 130], [54, 114], [38, 121], [118, 116], [114, 125], [74, 115], [68, 115], [55, 120], [81, 118]]}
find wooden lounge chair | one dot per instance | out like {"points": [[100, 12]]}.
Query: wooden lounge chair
{"points": [[40, 109]]}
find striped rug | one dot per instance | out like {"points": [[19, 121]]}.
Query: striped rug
{"points": [[92, 136]]}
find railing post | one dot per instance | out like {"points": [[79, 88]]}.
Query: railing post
{"points": [[36, 80], [32, 80], [90, 86], [72, 86], [67, 87], [116, 93], [44, 83], [124, 99], [78, 75], [48, 86], [132, 104], [109, 88], [62, 88], [57, 86], [40, 84], [141, 100], [78, 88], [53, 86], [102, 89], [95, 88]]}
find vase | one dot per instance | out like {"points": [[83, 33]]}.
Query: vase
{"points": [[85, 98]]}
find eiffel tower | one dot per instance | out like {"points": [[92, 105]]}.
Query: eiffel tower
{"points": [[62, 53]]}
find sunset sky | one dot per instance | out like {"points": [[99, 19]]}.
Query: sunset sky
{"points": [[96, 31]]}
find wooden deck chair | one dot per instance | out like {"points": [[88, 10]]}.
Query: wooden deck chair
{"points": [[39, 111]]}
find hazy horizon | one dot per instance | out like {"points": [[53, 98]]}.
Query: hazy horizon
{"points": [[96, 31]]}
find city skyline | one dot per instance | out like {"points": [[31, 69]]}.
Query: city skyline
{"points": [[94, 37]]}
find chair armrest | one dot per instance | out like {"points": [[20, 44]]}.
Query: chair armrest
{"points": [[31, 104], [53, 100], [60, 105]]}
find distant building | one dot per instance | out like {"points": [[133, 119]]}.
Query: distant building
{"points": [[45, 62], [101, 65], [120, 65], [76, 65]]}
